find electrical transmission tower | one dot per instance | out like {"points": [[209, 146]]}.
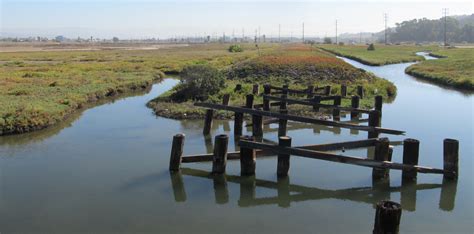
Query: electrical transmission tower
{"points": [[445, 13], [385, 17], [336, 32]]}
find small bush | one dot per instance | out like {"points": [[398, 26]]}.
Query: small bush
{"points": [[327, 40], [198, 83], [235, 48], [341, 43], [371, 47]]}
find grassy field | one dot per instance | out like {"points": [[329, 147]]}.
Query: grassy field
{"points": [[455, 68], [296, 65], [39, 89], [380, 56]]}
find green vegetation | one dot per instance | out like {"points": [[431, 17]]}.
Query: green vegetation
{"points": [[384, 54], [296, 65], [39, 89], [455, 68], [371, 47], [235, 48]]}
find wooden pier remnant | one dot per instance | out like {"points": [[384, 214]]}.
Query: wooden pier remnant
{"points": [[360, 91], [355, 105], [327, 90], [451, 158], [411, 149], [255, 89], [238, 87], [225, 99], [378, 103], [387, 217], [374, 121], [219, 160], [208, 121], [283, 165], [282, 124], [343, 90], [248, 158], [176, 152], [382, 151]]}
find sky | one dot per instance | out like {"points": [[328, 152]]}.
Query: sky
{"points": [[142, 19]]}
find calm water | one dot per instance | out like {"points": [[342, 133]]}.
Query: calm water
{"points": [[106, 170]]}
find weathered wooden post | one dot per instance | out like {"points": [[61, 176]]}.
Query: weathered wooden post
{"points": [[451, 158], [221, 193], [208, 121], [354, 104], [282, 124], [378, 103], [387, 217], [247, 158], [283, 165], [285, 89], [238, 122], [381, 154], [177, 184], [316, 102], [249, 101], [176, 152], [283, 104], [360, 91], [327, 90], [219, 158], [310, 92], [336, 112], [255, 89], [266, 102], [283, 190], [257, 126], [225, 99], [411, 149], [343, 90], [374, 121], [238, 87]]}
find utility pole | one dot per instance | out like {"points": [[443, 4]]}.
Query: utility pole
{"points": [[360, 38], [336, 32], [279, 33], [303, 32], [259, 34], [445, 13], [385, 16], [243, 34]]}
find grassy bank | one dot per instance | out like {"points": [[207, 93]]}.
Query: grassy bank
{"points": [[455, 68], [382, 55], [40, 89], [296, 65]]}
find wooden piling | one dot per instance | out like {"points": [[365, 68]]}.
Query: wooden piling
{"points": [[374, 121], [310, 91], [248, 158], [343, 90], [360, 91], [381, 154], [336, 112], [411, 149], [378, 103], [316, 100], [225, 99], [238, 122], [387, 217], [354, 104], [238, 87], [282, 124], [208, 121], [327, 90], [249, 101], [257, 125], [219, 158], [283, 165], [266, 102], [176, 152], [451, 158], [283, 104], [285, 89], [255, 89]]}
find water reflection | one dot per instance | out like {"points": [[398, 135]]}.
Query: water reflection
{"points": [[288, 193]]}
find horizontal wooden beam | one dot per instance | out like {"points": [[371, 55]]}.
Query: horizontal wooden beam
{"points": [[340, 158], [308, 102], [299, 118], [289, 90]]}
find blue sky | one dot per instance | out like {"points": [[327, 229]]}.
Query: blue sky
{"points": [[154, 18]]}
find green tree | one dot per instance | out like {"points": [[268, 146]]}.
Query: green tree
{"points": [[198, 82]]}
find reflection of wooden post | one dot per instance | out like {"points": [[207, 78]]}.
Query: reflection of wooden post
{"points": [[225, 99], [381, 154], [448, 194], [378, 103], [354, 104], [178, 186], [316, 101], [221, 193], [411, 149], [255, 89], [282, 124], [247, 159], [219, 158], [176, 152], [283, 165], [408, 194], [283, 189], [208, 121], [374, 121], [387, 217], [451, 158], [343, 90], [360, 91], [247, 190]]}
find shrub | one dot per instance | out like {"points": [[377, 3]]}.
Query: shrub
{"points": [[371, 47], [327, 40], [341, 43], [235, 48], [198, 82]]}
